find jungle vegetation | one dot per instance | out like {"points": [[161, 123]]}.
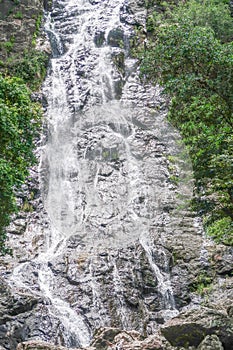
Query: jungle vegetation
{"points": [[22, 70], [189, 52], [20, 118]]}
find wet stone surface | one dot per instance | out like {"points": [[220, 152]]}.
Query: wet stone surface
{"points": [[110, 241]]}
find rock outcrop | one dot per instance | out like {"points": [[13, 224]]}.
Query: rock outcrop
{"points": [[39, 345], [192, 327], [15, 308], [19, 26], [116, 339]]}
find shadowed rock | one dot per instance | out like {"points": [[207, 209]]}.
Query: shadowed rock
{"points": [[190, 328]]}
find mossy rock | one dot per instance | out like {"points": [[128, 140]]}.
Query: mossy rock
{"points": [[116, 38]]}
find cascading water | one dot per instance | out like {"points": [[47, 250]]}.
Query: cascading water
{"points": [[104, 180]]}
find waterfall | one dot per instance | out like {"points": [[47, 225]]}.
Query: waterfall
{"points": [[104, 180]]}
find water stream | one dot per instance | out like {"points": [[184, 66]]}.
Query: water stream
{"points": [[103, 172]]}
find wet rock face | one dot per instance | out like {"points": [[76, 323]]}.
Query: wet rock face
{"points": [[134, 12], [15, 308], [17, 26], [130, 294], [109, 243], [24, 316]]}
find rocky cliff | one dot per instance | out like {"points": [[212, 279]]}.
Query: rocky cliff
{"points": [[19, 23], [168, 289]]}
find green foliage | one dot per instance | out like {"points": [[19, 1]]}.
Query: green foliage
{"points": [[20, 73], [149, 3], [18, 15], [151, 22], [203, 284], [8, 45], [27, 207], [212, 14], [190, 54], [19, 120], [37, 29], [31, 67], [221, 230], [38, 23]]}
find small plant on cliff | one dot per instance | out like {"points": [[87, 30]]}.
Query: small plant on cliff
{"points": [[203, 284], [221, 230], [190, 53], [19, 118], [31, 67], [8, 45], [37, 29], [18, 15]]}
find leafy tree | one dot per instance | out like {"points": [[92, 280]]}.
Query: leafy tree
{"points": [[190, 53], [19, 118]]}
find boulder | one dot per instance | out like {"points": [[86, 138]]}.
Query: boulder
{"points": [[221, 259], [211, 342], [193, 326], [113, 338], [116, 37], [39, 345], [105, 337]]}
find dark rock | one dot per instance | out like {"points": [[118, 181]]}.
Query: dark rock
{"points": [[14, 304], [187, 334], [116, 38], [119, 61], [99, 39], [47, 4], [222, 260], [13, 308], [190, 328]]}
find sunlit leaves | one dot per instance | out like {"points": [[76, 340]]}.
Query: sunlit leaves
{"points": [[221, 230]]}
